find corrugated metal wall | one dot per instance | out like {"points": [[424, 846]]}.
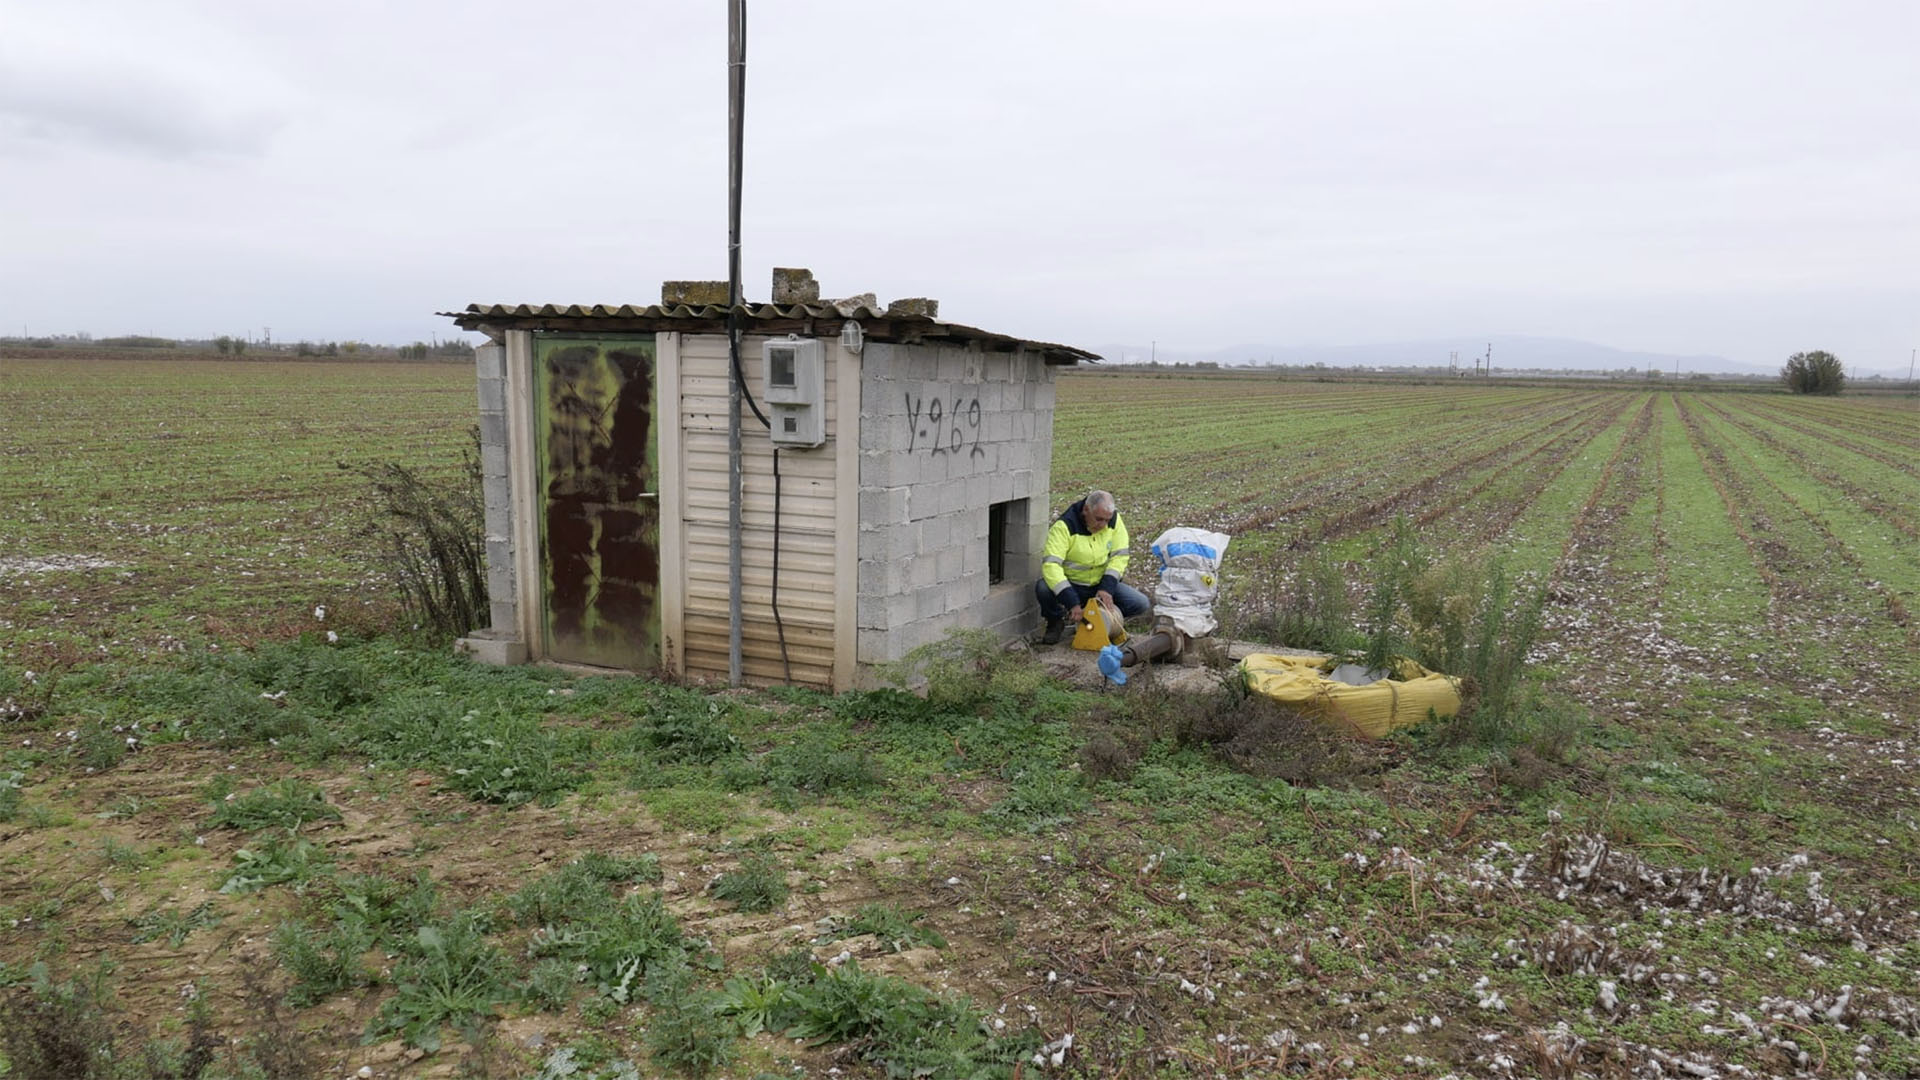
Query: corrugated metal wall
{"points": [[807, 527]]}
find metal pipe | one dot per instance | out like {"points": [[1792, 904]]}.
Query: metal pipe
{"points": [[736, 114], [1139, 650]]}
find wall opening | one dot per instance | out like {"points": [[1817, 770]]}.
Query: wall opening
{"points": [[1006, 538]]}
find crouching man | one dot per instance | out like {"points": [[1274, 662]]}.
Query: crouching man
{"points": [[1084, 559]]}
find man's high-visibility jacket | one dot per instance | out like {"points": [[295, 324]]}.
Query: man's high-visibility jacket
{"points": [[1075, 555]]}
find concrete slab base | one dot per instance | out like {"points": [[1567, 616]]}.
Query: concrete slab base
{"points": [[485, 648]]}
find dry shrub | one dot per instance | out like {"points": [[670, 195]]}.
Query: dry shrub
{"points": [[1105, 757], [1257, 735]]}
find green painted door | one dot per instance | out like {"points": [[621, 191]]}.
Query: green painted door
{"points": [[598, 455]]}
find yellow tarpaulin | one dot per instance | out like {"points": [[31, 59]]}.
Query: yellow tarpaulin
{"points": [[1372, 710]]}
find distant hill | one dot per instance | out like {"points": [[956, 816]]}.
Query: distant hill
{"points": [[1509, 353]]}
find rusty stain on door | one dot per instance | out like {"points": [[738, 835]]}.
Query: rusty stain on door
{"points": [[598, 458]]}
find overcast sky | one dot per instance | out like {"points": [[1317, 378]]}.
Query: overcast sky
{"points": [[1738, 178]]}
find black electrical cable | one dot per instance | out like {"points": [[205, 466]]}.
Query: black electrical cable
{"points": [[786, 662]]}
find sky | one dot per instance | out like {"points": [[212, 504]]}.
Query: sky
{"points": [[1739, 179]]}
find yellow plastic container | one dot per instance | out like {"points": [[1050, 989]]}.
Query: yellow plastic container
{"points": [[1092, 633], [1373, 710]]}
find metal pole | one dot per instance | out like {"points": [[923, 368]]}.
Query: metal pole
{"points": [[736, 114]]}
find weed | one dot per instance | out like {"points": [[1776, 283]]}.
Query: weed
{"points": [[687, 726], [1042, 797], [504, 757], [276, 1049], [819, 761], [578, 887], [432, 543], [551, 983], [684, 1031], [172, 924], [896, 929], [880, 707], [1105, 757], [101, 745], [10, 794], [323, 964], [759, 883], [756, 1004], [693, 809], [449, 975], [310, 675], [966, 671], [293, 860], [614, 941], [287, 803], [1395, 567], [385, 905], [121, 856], [575, 1063], [899, 1026], [60, 1029], [1312, 609], [122, 808]]}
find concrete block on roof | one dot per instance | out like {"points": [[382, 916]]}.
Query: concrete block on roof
{"points": [[914, 306], [794, 285], [850, 305], [493, 395], [693, 293]]}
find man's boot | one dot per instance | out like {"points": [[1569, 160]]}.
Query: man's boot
{"points": [[1055, 628]]}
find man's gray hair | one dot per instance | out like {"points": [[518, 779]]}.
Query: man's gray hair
{"points": [[1100, 500]]}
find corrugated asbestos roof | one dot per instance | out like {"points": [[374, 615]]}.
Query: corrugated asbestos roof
{"points": [[760, 318]]}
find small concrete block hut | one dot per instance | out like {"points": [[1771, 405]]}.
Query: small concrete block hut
{"points": [[910, 458]]}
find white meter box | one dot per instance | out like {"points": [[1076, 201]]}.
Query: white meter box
{"points": [[795, 384]]}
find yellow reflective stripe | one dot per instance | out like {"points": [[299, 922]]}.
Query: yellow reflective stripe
{"points": [[1117, 554], [1060, 588], [1054, 559]]}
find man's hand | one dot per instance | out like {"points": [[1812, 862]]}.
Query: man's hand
{"points": [[1105, 597], [1074, 614]]}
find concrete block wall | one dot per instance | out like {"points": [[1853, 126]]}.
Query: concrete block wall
{"points": [[491, 364], [945, 432]]}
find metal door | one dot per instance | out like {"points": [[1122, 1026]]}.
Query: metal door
{"points": [[598, 479]]}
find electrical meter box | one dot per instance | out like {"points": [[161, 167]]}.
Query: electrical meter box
{"points": [[795, 385]]}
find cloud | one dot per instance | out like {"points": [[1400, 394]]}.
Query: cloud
{"points": [[130, 112]]}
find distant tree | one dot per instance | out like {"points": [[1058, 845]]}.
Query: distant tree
{"points": [[239, 346], [224, 344], [1817, 372]]}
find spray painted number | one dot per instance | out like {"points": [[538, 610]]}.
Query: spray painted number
{"points": [[934, 426]]}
